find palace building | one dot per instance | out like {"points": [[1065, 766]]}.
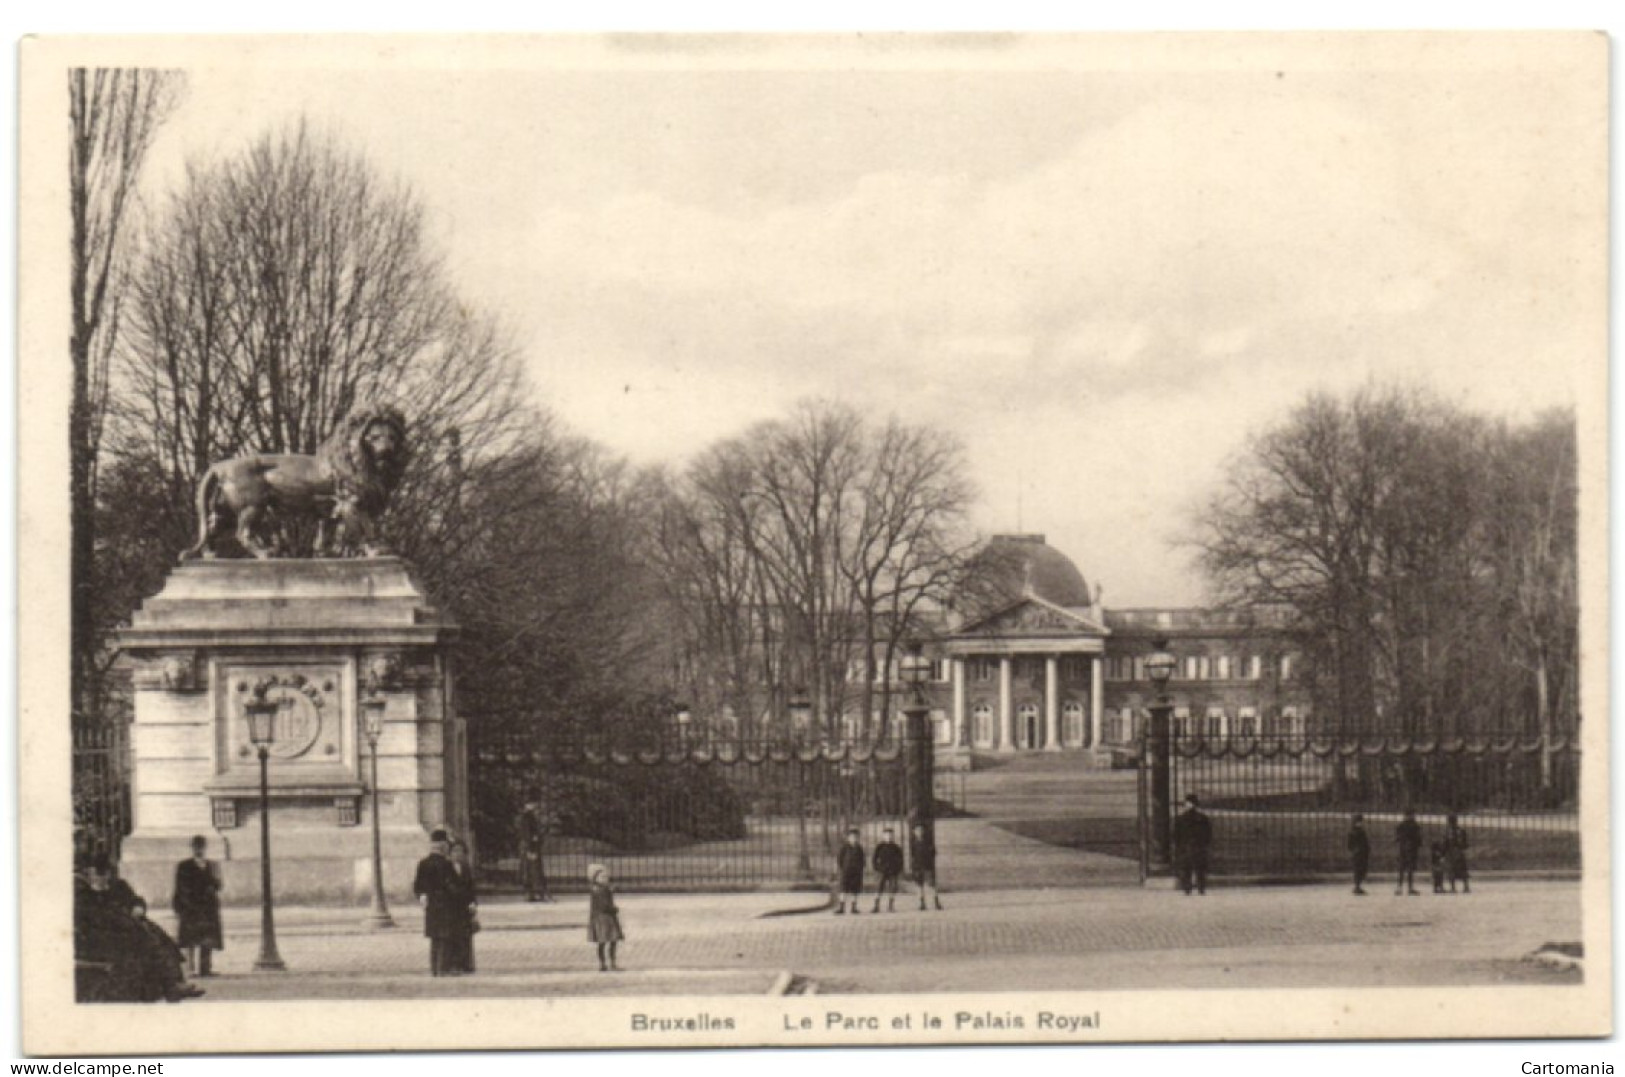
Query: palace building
{"points": [[1044, 667]]}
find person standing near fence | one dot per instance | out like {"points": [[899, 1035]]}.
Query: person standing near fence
{"points": [[849, 865], [1359, 845], [888, 865], [532, 835], [196, 901], [466, 908], [603, 918], [1193, 842], [437, 887], [1455, 853], [1408, 836], [922, 852]]}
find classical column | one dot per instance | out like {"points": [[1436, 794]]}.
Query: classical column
{"points": [[1007, 723], [956, 666], [1096, 701], [1052, 706]]}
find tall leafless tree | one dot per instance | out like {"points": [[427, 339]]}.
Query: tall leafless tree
{"points": [[802, 553], [114, 115]]}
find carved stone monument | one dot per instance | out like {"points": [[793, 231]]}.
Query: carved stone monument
{"points": [[311, 636], [314, 635]]}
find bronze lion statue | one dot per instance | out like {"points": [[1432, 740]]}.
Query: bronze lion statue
{"points": [[345, 487]]}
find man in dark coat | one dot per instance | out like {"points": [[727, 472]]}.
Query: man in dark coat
{"points": [[1408, 836], [1359, 845], [438, 890], [849, 864], [922, 854], [532, 836], [196, 903], [1193, 839], [888, 865], [1455, 852]]}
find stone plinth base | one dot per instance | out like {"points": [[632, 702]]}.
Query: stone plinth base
{"points": [[307, 867], [349, 660]]}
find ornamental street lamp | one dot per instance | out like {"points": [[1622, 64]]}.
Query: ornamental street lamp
{"points": [[800, 708], [915, 671], [1159, 666], [372, 711], [262, 732]]}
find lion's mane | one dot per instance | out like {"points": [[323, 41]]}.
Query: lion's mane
{"points": [[356, 476]]}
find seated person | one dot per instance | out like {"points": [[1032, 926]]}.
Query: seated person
{"points": [[125, 956]]}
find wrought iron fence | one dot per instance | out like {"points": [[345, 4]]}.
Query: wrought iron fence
{"points": [[1282, 806], [672, 813], [101, 784]]}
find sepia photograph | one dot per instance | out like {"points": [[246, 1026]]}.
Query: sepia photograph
{"points": [[685, 540]]}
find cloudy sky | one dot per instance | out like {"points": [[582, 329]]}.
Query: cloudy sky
{"points": [[1101, 262]]}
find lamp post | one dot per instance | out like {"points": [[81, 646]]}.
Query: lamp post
{"points": [[1159, 666], [372, 711], [915, 670], [800, 708], [262, 732]]}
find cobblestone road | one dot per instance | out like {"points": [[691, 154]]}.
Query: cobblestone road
{"points": [[986, 940]]}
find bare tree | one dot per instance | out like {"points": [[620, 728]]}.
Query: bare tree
{"points": [[114, 116], [1425, 555], [803, 552]]}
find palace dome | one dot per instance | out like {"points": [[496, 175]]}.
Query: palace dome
{"points": [[1021, 565]]}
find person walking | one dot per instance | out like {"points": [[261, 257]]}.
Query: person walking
{"points": [[532, 836], [1359, 846], [1408, 836], [437, 888], [1193, 841], [466, 905], [196, 901], [922, 852], [603, 918], [849, 864], [888, 864], [1455, 852]]}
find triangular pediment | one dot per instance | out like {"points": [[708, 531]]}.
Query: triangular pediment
{"points": [[1032, 616]]}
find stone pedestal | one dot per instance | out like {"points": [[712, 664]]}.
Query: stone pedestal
{"points": [[314, 634]]}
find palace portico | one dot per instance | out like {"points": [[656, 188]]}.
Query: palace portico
{"points": [[1028, 677], [1028, 674]]}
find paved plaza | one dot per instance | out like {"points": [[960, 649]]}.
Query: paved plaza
{"points": [[1055, 939]]}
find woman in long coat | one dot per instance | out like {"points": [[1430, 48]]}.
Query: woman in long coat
{"points": [[466, 908], [604, 918], [197, 905]]}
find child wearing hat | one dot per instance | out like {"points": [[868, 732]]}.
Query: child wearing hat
{"points": [[604, 920]]}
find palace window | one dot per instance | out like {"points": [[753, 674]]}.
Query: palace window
{"points": [[1247, 722], [1215, 722], [1221, 667], [1255, 667], [1286, 666], [1139, 667], [1183, 725], [981, 669]]}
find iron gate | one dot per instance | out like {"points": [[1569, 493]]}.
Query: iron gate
{"points": [[1281, 806], [101, 785], [711, 813]]}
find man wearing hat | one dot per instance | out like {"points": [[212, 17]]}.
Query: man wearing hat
{"points": [[438, 888], [1193, 837], [1359, 844]]}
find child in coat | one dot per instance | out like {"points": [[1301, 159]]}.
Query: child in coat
{"points": [[604, 918]]}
